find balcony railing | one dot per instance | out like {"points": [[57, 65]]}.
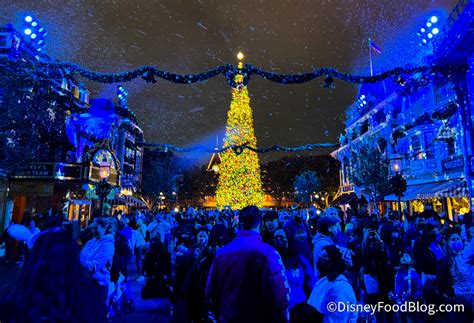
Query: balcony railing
{"points": [[428, 166], [444, 94]]}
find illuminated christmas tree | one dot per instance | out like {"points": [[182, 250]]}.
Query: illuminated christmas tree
{"points": [[240, 183]]}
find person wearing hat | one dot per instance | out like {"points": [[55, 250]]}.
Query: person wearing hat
{"points": [[299, 235], [247, 281], [333, 287], [270, 225], [327, 226]]}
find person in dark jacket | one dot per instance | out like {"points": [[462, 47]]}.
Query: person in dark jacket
{"points": [[52, 287], [194, 305], [247, 282], [298, 233], [157, 270]]}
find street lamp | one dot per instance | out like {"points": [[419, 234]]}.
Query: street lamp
{"points": [[398, 183], [103, 187], [396, 163]]}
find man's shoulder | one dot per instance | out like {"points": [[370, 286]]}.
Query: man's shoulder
{"points": [[152, 225], [256, 249]]}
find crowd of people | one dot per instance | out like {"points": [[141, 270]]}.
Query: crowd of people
{"points": [[246, 265]]}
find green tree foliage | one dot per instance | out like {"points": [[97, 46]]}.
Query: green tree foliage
{"points": [[370, 170], [305, 184], [398, 184], [166, 173], [160, 175], [197, 182], [279, 175]]}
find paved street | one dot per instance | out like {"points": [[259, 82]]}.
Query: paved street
{"points": [[146, 310]]}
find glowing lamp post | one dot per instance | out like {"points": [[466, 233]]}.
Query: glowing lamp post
{"points": [[103, 188], [398, 183]]}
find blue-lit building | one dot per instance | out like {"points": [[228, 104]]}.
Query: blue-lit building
{"points": [[111, 128], [90, 131], [425, 121]]}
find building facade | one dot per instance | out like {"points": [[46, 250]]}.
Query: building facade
{"points": [[422, 125], [70, 136]]}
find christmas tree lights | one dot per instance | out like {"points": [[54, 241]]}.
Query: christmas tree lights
{"points": [[240, 183]]}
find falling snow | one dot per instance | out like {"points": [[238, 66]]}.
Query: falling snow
{"points": [[200, 24], [190, 37]]}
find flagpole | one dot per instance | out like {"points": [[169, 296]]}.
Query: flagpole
{"points": [[370, 57]]}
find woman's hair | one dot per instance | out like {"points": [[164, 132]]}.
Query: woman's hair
{"points": [[291, 258], [338, 265], [110, 225], [426, 236], [448, 232], [51, 285], [101, 222]]}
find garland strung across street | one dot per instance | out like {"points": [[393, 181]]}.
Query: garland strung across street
{"points": [[238, 149], [149, 73]]}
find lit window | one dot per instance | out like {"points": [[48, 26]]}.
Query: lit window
{"points": [[3, 40]]}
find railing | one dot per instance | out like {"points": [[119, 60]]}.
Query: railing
{"points": [[444, 94], [424, 166]]}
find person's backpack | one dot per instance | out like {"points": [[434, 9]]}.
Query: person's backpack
{"points": [[122, 246], [154, 231]]}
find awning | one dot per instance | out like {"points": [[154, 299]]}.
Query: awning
{"points": [[130, 200], [458, 189], [80, 202], [344, 199], [409, 195], [434, 190]]}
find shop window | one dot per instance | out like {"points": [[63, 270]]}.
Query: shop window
{"points": [[415, 143], [451, 147], [84, 96], [3, 40], [403, 145], [429, 144], [65, 84], [430, 152], [76, 92], [379, 117]]}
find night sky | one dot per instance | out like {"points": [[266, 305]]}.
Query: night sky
{"points": [[286, 36]]}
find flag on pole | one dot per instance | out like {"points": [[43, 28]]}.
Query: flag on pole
{"points": [[376, 48]]}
